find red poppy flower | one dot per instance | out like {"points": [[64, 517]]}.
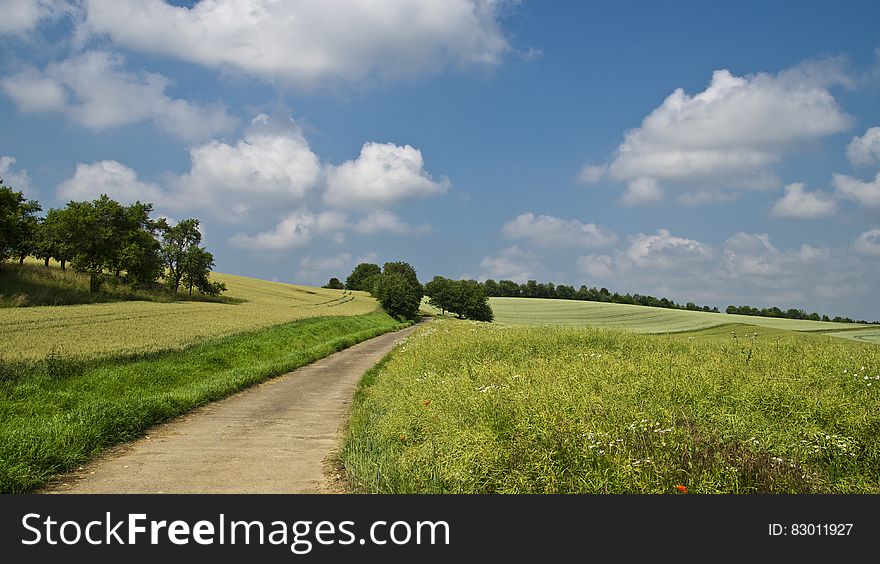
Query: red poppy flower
{"points": [[426, 403], [681, 488]]}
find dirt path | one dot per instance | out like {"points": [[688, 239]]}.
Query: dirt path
{"points": [[272, 438]]}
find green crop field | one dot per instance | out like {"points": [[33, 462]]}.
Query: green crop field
{"points": [[641, 319], [131, 327], [464, 407]]}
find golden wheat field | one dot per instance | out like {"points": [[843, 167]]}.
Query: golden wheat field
{"points": [[138, 326]]}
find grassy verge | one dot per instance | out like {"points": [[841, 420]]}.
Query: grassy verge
{"points": [[56, 413], [473, 408], [30, 284]]}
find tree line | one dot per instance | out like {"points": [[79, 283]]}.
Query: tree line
{"points": [[534, 289], [398, 289], [790, 314], [103, 238]]}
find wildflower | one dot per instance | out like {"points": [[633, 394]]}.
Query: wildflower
{"points": [[426, 403], [681, 488]]}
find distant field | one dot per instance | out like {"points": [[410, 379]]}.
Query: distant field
{"points": [[864, 335], [641, 319], [136, 326]]}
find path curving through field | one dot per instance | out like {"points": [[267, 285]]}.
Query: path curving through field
{"points": [[272, 438]]}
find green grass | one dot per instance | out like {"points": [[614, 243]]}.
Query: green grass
{"points": [[57, 412], [463, 407], [32, 284], [641, 319]]}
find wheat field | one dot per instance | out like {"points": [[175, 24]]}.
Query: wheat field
{"points": [[133, 327]]}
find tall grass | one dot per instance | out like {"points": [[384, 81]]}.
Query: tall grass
{"points": [[56, 412], [30, 284], [472, 408]]}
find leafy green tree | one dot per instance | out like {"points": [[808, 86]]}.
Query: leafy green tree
{"points": [[18, 223], [92, 236], [334, 284], [397, 295], [358, 279], [53, 238], [408, 272], [465, 298], [440, 293], [176, 241], [196, 272]]}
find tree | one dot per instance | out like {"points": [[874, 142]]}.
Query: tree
{"points": [[91, 236], [176, 242], [399, 298], [358, 278], [440, 292], [53, 235], [465, 298], [408, 272], [334, 284], [18, 223], [196, 272]]}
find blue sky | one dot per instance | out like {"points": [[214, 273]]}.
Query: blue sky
{"points": [[722, 155]]}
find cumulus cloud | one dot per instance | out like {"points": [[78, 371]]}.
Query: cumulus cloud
{"points": [[664, 250], [549, 231], [112, 178], [730, 135], [868, 243], [865, 150], [591, 174], [642, 191], [512, 263], [800, 204], [866, 194], [746, 268], [265, 169], [382, 220], [382, 175], [305, 43], [20, 16], [295, 230], [17, 179], [94, 90]]}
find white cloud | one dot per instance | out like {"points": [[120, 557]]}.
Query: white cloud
{"points": [[800, 204], [745, 269], [732, 133], [264, 169], [867, 194], [664, 250], [549, 231], [598, 267], [642, 191], [112, 178], [24, 15], [511, 264], [865, 150], [33, 92], [591, 174], [18, 180], [382, 220], [304, 42], [382, 175], [95, 91], [295, 230], [868, 243]]}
